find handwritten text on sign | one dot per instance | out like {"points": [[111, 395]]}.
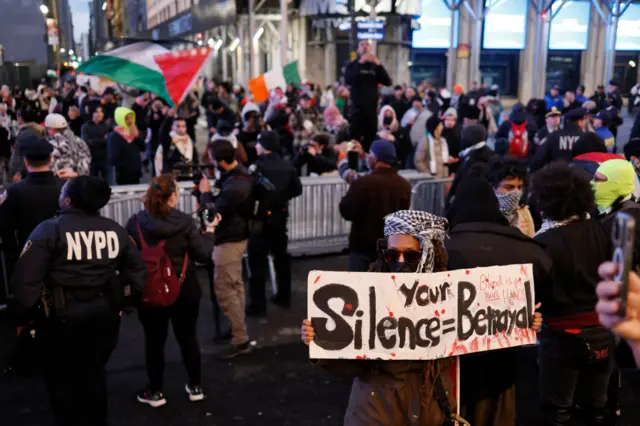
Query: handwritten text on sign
{"points": [[420, 316]]}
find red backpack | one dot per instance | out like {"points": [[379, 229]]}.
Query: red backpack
{"points": [[518, 140], [163, 285]]}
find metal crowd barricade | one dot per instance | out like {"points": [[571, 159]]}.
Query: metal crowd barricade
{"points": [[315, 223]]}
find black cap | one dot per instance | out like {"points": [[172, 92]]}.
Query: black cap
{"points": [[224, 128], [576, 114], [269, 140], [216, 104], [35, 149], [612, 83], [600, 86], [305, 96], [109, 91], [398, 87], [604, 116]]}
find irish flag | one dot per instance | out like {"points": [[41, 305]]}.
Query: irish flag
{"points": [[150, 67], [262, 85]]}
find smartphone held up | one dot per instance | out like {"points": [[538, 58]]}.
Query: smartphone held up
{"points": [[623, 237]]}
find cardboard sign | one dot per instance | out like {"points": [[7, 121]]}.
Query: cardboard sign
{"points": [[420, 316]]}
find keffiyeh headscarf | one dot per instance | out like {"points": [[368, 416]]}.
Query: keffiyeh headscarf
{"points": [[509, 204], [421, 225]]}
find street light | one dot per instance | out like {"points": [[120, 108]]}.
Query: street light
{"points": [[44, 9], [70, 52], [62, 50]]}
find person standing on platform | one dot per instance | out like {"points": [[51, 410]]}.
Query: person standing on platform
{"points": [[283, 176], [363, 76], [369, 200]]}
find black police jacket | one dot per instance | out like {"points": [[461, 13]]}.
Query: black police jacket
{"points": [[25, 205], [363, 80], [235, 205], [182, 237], [559, 146], [283, 176], [79, 254]]}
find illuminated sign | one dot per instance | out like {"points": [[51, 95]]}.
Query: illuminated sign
{"points": [[570, 27], [435, 26], [628, 35], [505, 26]]}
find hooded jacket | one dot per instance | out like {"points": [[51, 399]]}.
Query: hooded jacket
{"points": [[234, 204], [182, 236], [95, 135], [124, 155]]}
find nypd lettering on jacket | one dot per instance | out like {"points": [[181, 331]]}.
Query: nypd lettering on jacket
{"points": [[90, 245], [566, 142]]}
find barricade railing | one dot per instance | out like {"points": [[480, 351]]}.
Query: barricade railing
{"points": [[315, 223]]}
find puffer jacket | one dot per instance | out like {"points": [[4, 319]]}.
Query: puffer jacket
{"points": [[182, 237], [95, 135]]}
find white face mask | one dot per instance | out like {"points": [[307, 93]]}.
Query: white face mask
{"points": [[509, 204]]}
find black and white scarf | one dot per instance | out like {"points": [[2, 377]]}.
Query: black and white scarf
{"points": [[509, 204], [423, 226], [548, 224]]}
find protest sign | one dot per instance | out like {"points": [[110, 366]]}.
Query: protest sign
{"points": [[420, 316]]}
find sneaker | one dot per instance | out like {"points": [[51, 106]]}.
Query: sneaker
{"points": [[154, 399], [195, 393], [235, 350]]}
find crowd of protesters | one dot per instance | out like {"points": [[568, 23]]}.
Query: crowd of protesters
{"points": [[539, 185]]}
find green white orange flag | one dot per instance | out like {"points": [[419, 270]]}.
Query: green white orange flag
{"points": [[150, 67], [261, 86]]}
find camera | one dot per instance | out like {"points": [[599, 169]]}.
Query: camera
{"points": [[207, 215]]}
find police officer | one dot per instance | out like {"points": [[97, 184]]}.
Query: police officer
{"points": [[559, 145], [283, 176], [552, 124], [24, 205], [70, 263]]}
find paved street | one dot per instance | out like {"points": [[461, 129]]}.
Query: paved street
{"points": [[275, 385]]}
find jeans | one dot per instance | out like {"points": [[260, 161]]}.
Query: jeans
{"points": [[75, 376], [359, 262], [565, 378], [155, 321], [274, 240], [229, 287]]}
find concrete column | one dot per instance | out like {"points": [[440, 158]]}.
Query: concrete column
{"points": [[527, 67], [302, 45], [329, 58], [239, 55], [591, 71], [465, 31], [402, 71], [224, 53], [284, 32], [451, 53], [476, 48]]}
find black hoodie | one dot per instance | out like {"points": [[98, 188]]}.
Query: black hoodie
{"points": [[182, 236]]}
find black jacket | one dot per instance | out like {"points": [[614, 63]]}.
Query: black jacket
{"points": [[322, 162], [27, 204], [96, 135], [141, 118], [284, 177], [76, 126], [234, 204], [478, 244], [576, 251], [125, 156], [559, 146], [182, 237], [363, 80], [478, 159], [369, 199], [80, 254], [172, 159]]}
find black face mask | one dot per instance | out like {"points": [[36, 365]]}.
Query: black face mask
{"points": [[399, 267], [386, 121]]}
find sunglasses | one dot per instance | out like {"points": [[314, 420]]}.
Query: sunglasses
{"points": [[410, 256]]}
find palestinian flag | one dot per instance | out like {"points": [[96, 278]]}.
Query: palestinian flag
{"points": [[262, 85], [150, 67]]}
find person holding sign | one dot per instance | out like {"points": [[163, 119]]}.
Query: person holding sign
{"points": [[574, 348], [400, 392]]}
